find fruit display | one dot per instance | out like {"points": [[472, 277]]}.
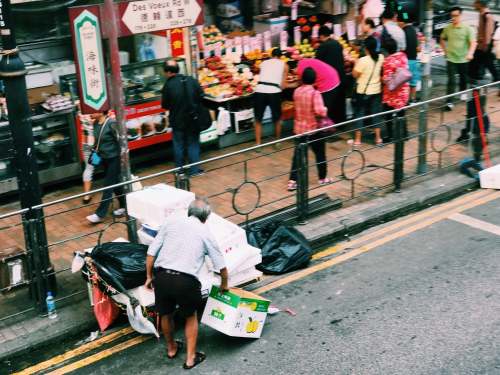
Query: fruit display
{"points": [[220, 78], [212, 35], [301, 51], [350, 55]]}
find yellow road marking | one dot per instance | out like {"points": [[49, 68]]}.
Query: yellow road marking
{"points": [[476, 223], [98, 356], [75, 352], [342, 258], [440, 213], [413, 218]]}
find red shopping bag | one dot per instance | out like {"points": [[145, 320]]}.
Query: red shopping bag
{"points": [[105, 309]]}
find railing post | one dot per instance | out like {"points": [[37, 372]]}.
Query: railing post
{"points": [[182, 180], [422, 140], [397, 124], [302, 163], [39, 281]]}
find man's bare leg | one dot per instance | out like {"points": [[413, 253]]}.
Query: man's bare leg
{"points": [[168, 328], [191, 332]]}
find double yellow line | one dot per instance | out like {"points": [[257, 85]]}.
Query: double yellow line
{"points": [[368, 242]]}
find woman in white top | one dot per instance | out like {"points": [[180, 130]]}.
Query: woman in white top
{"points": [[367, 73], [272, 78]]}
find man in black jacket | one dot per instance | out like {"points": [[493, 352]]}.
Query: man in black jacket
{"points": [[181, 95], [330, 52]]}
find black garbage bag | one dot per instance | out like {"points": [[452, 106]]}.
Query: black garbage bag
{"points": [[124, 263], [286, 250], [259, 234]]}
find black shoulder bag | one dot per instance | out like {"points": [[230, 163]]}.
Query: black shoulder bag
{"points": [[199, 117], [94, 158]]}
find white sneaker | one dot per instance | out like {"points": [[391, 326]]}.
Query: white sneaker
{"points": [[119, 212], [464, 97], [449, 106], [94, 219]]}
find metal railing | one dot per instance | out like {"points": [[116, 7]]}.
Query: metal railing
{"points": [[246, 185]]}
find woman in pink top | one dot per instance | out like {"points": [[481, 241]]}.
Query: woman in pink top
{"points": [[327, 80], [399, 97], [308, 105]]}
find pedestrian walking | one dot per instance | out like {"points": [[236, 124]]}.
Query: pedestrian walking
{"points": [[327, 80], [182, 96], [87, 146], [367, 72], [330, 52], [484, 54], [389, 29], [412, 48], [272, 80], [308, 106], [108, 148], [173, 263], [458, 43], [398, 97]]}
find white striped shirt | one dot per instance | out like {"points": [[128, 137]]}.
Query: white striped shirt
{"points": [[181, 245]]}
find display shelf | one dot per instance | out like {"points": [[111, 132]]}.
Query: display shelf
{"points": [[149, 141]]}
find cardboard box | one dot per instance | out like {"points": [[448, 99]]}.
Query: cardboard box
{"points": [[236, 313], [490, 178]]}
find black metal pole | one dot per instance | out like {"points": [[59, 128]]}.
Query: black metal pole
{"points": [[302, 182], [13, 73], [398, 124]]}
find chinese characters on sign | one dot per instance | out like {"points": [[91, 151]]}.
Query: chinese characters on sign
{"points": [[154, 15], [87, 36]]}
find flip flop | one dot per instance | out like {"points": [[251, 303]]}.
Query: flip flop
{"points": [[180, 345], [198, 358]]}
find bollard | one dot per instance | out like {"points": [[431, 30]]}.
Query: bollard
{"points": [[302, 182], [397, 123], [182, 180]]}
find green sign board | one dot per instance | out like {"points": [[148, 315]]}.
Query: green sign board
{"points": [[90, 62]]}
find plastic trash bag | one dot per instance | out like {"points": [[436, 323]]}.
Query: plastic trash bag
{"points": [[286, 250], [259, 234], [139, 322], [125, 263]]}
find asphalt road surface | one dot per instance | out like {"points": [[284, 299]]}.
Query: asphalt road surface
{"points": [[416, 296]]}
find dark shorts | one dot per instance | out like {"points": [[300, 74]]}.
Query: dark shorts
{"points": [[262, 101], [174, 289]]}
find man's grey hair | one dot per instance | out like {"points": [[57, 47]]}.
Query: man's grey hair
{"points": [[200, 209]]}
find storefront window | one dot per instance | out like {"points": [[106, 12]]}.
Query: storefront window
{"points": [[36, 21]]}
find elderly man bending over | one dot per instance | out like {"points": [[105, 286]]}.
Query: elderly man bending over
{"points": [[173, 264]]}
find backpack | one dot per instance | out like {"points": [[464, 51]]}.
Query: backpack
{"points": [[385, 38]]}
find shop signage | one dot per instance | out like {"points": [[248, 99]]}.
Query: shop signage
{"points": [[177, 42], [4, 22], [86, 33], [152, 15], [283, 40], [267, 40]]}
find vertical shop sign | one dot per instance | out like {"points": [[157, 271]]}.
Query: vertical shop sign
{"points": [[229, 47], [259, 41], [267, 40], [238, 44], [283, 40], [297, 35], [246, 44], [177, 42], [86, 33]]}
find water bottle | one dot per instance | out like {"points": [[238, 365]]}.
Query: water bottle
{"points": [[51, 306]]}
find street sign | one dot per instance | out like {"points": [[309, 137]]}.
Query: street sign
{"points": [[146, 16], [86, 33]]}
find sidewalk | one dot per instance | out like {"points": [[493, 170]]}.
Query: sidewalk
{"points": [[25, 331], [77, 318]]}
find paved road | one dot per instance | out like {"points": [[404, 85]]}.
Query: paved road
{"points": [[416, 296]]}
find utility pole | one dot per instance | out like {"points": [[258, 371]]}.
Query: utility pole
{"points": [[424, 94], [13, 73], [118, 99]]}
